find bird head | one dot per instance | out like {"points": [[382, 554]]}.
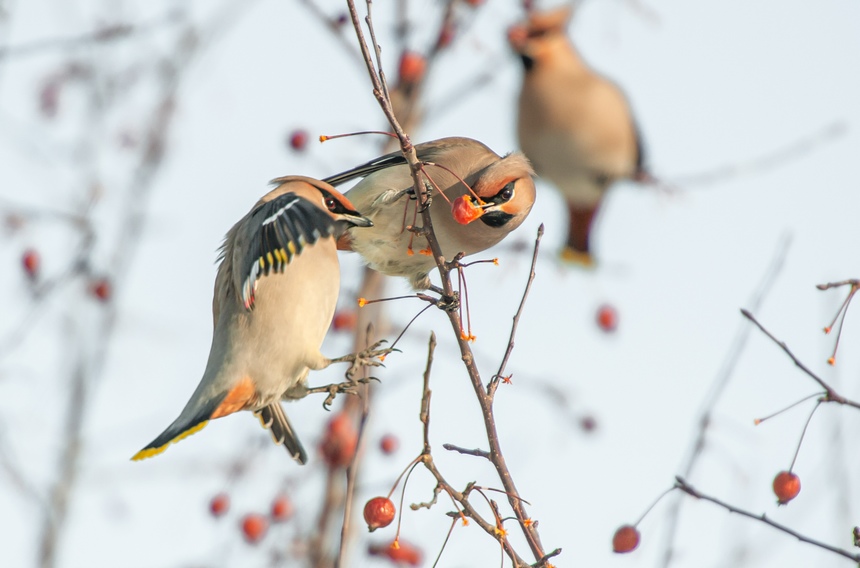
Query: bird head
{"points": [[533, 39], [328, 199], [506, 191]]}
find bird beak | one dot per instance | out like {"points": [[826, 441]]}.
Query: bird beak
{"points": [[494, 215], [356, 220]]}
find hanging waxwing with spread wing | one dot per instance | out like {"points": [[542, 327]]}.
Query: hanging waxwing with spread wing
{"points": [[275, 295]]}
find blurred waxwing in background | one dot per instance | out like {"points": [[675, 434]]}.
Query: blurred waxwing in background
{"points": [[574, 125], [275, 295], [485, 198]]}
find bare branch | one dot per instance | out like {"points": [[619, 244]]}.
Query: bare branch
{"points": [[682, 485], [830, 394]]}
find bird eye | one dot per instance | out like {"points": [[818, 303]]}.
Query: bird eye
{"points": [[331, 203], [507, 192]]}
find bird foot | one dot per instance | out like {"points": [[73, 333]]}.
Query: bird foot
{"points": [[373, 356], [349, 386]]}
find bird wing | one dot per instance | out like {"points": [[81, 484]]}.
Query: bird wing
{"points": [[427, 152], [277, 231], [364, 170]]}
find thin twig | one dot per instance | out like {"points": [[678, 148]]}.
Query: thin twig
{"points": [[476, 452], [103, 35], [425, 399], [682, 485], [830, 394], [788, 153], [494, 382]]}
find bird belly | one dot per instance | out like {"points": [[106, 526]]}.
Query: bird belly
{"points": [[275, 343]]}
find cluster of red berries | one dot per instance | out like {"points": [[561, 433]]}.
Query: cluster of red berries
{"points": [[31, 262], [254, 526]]}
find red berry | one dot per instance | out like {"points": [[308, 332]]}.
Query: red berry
{"points": [[254, 527], [101, 289], [31, 262], [299, 140], [446, 36], [626, 539], [474, 3], [282, 508], [398, 551], [345, 320], [412, 67], [339, 442], [219, 505], [518, 36], [465, 209], [607, 318], [588, 423], [379, 512], [389, 444], [786, 485]]}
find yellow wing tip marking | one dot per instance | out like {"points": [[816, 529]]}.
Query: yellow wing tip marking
{"points": [[149, 452]]}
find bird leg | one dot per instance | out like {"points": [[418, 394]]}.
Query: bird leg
{"points": [[347, 387], [373, 356]]}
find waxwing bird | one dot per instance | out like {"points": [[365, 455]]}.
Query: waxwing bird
{"points": [[275, 295], [575, 126], [456, 167]]}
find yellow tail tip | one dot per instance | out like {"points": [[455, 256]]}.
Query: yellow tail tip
{"points": [[571, 256], [149, 452]]}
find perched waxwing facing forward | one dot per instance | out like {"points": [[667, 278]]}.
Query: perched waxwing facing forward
{"points": [[502, 188], [574, 125], [275, 295]]}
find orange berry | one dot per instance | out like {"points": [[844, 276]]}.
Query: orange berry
{"points": [[31, 262], [465, 210], [344, 320], [379, 512], [389, 444], [398, 551], [282, 508], [219, 505], [254, 527], [412, 67], [101, 289], [339, 442], [607, 318], [786, 486], [626, 539]]}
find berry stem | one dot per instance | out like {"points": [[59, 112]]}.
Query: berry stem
{"points": [[802, 434], [758, 421]]}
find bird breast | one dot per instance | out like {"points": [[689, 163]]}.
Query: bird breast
{"points": [[280, 338]]}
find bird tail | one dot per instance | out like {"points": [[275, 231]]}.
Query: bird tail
{"points": [[181, 428], [273, 418], [578, 247]]}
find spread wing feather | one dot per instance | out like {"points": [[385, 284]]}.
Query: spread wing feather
{"points": [[281, 228]]}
